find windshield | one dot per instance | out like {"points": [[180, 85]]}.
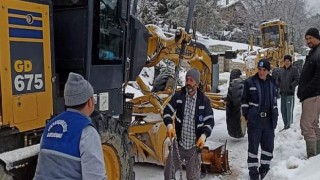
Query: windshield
{"points": [[108, 47], [270, 36]]}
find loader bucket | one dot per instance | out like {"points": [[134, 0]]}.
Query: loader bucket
{"points": [[215, 159]]}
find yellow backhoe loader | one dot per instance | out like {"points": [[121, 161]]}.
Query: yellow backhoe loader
{"points": [[147, 132]]}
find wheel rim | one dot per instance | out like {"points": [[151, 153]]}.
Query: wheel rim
{"points": [[111, 161]]}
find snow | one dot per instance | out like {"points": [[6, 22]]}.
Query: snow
{"points": [[289, 160], [271, 20], [159, 32], [235, 46], [224, 2]]}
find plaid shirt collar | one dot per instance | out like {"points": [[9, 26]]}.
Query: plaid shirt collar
{"points": [[194, 97]]}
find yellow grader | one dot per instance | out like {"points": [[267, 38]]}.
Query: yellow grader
{"points": [[41, 41], [274, 41]]}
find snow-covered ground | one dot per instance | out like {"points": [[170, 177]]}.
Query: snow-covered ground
{"points": [[289, 162]]}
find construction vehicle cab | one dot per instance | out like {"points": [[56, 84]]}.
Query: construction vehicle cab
{"points": [[274, 41], [41, 41]]}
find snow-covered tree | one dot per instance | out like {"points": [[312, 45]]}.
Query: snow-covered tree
{"points": [[205, 16], [147, 12]]}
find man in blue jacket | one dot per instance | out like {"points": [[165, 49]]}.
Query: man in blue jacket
{"points": [[259, 107], [70, 147], [193, 124]]}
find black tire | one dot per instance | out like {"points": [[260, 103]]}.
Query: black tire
{"points": [[160, 82], [298, 64], [114, 134], [236, 124]]}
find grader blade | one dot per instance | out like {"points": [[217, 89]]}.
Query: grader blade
{"points": [[19, 164], [215, 158]]}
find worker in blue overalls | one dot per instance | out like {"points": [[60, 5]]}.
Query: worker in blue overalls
{"points": [[259, 107]]}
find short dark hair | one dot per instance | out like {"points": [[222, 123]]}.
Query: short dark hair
{"points": [[289, 57], [78, 107]]}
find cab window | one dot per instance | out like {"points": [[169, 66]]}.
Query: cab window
{"points": [[107, 34]]}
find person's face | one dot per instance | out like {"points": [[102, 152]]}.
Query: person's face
{"points": [[287, 63], [262, 72], [191, 85], [312, 41]]}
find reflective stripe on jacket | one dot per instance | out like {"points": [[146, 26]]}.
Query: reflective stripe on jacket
{"points": [[251, 101]]}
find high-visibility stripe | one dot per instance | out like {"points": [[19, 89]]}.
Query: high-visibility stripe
{"points": [[207, 117], [266, 153], [253, 165], [245, 105], [167, 115], [265, 162], [253, 104], [252, 155], [200, 125], [171, 108], [252, 88]]}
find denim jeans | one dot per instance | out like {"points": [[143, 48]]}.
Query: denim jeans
{"points": [[287, 105]]}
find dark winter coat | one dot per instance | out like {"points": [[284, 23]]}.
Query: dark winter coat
{"points": [[251, 101], [309, 85], [203, 117], [288, 79]]}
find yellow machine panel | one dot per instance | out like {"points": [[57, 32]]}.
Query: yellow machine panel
{"points": [[25, 65]]}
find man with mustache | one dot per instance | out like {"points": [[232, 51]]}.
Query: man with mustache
{"points": [[193, 124], [309, 94]]}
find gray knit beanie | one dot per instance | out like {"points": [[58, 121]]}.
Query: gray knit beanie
{"points": [[77, 90], [194, 74]]}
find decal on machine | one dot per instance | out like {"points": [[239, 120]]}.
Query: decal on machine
{"points": [[27, 67]]}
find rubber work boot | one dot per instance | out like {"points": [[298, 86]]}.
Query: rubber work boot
{"points": [[253, 174], [318, 147], [254, 178], [311, 148], [263, 174]]}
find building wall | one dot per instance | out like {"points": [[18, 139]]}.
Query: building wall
{"points": [[226, 65]]}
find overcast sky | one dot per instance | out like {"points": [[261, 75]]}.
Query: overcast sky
{"points": [[314, 6]]}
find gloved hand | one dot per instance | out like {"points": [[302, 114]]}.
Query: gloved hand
{"points": [[201, 141], [171, 132]]}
